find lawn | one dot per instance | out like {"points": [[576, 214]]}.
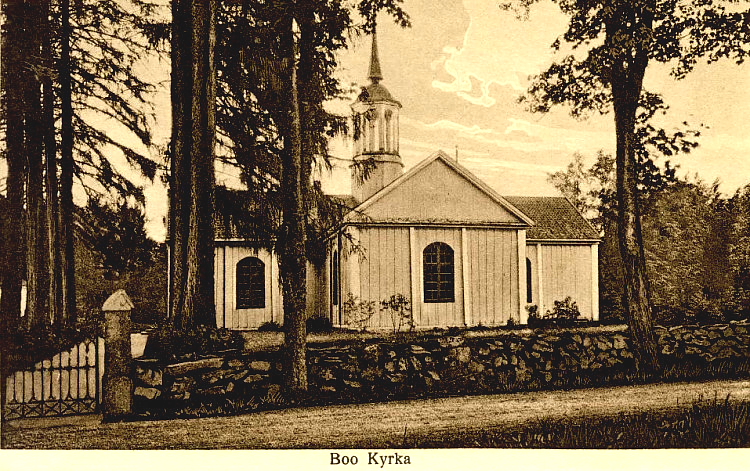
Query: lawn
{"points": [[713, 424]]}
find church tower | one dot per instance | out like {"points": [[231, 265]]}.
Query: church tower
{"points": [[375, 114]]}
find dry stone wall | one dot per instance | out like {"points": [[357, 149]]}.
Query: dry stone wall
{"points": [[382, 370]]}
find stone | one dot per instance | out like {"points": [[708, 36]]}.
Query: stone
{"points": [[236, 363], [418, 350], [451, 341], [178, 369], [151, 378], [619, 342], [258, 365], [499, 361], [476, 367], [254, 378], [214, 391], [462, 354], [148, 393]]}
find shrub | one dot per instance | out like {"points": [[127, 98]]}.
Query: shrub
{"points": [[320, 324], [166, 343], [270, 326], [565, 313], [399, 310], [23, 348], [358, 312]]}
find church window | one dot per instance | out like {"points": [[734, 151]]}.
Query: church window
{"points": [[251, 283], [528, 281], [438, 273], [335, 279]]}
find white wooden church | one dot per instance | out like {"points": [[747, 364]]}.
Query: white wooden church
{"points": [[437, 234]]}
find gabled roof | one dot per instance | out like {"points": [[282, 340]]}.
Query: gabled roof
{"points": [[461, 171], [556, 218]]}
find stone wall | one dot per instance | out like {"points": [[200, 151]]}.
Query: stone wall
{"points": [[470, 363]]}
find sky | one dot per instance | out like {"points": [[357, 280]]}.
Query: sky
{"points": [[458, 72]]}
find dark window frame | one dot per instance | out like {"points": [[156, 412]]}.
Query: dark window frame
{"points": [[335, 281], [438, 273], [529, 291], [250, 290]]}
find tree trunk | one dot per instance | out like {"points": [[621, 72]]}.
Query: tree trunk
{"points": [[67, 168], [53, 202], [292, 263], [626, 89], [193, 131], [13, 268], [37, 255]]}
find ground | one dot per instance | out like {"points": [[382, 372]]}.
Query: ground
{"points": [[381, 425]]}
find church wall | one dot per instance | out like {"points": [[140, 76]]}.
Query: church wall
{"points": [[383, 268], [566, 271], [492, 276], [438, 314], [226, 258]]}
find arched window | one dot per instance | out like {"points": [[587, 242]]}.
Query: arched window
{"points": [[438, 273], [528, 282], [335, 279], [251, 283]]}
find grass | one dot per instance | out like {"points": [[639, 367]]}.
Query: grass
{"points": [[261, 341], [709, 424]]}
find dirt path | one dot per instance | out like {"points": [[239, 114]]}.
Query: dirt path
{"points": [[361, 426]]}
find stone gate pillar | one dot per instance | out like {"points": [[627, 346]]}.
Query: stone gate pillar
{"points": [[118, 381]]}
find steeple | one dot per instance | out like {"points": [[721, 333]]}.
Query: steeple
{"points": [[375, 115], [375, 75]]}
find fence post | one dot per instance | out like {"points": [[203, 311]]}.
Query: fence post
{"points": [[117, 385]]}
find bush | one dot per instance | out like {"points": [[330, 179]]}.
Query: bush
{"points": [[23, 348], [166, 343], [399, 311], [358, 312], [565, 313], [270, 326], [319, 324]]}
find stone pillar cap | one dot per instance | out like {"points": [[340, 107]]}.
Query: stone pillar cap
{"points": [[119, 301]]}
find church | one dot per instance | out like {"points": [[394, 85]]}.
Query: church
{"points": [[460, 252]]}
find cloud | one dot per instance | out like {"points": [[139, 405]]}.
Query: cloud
{"points": [[498, 49], [521, 135]]}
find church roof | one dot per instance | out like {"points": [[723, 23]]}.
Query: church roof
{"points": [[375, 91], [515, 214], [374, 73], [556, 218]]}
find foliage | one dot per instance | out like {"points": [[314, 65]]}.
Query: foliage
{"points": [[319, 324], [565, 313], [358, 312], [23, 348], [270, 326], [168, 344], [113, 252], [695, 243], [399, 311], [611, 44]]}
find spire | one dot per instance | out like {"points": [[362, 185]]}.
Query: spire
{"points": [[375, 74]]}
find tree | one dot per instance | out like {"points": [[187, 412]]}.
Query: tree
{"points": [[115, 252], [13, 105], [192, 163], [610, 76]]}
